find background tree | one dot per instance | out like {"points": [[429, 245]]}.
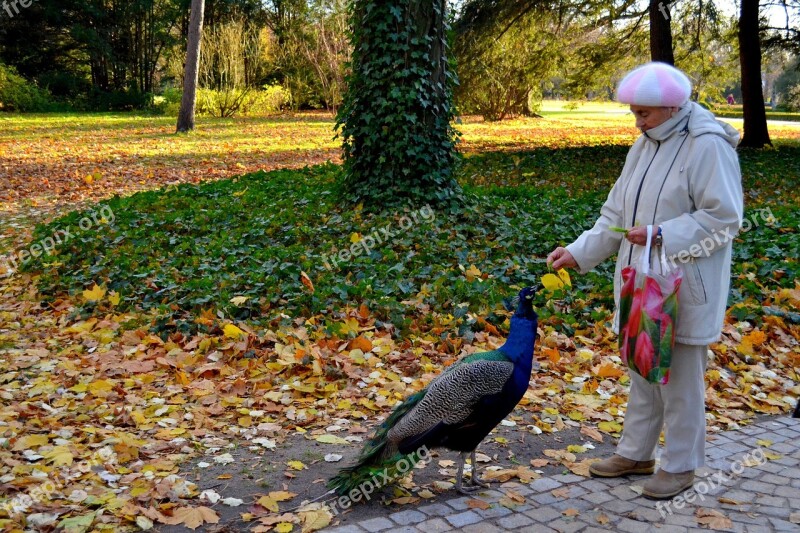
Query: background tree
{"points": [[661, 32], [395, 121], [756, 134], [188, 101]]}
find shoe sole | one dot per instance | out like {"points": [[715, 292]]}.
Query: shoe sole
{"points": [[665, 495], [643, 471]]}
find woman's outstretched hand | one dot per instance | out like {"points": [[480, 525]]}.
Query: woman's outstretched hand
{"points": [[561, 258], [638, 235]]}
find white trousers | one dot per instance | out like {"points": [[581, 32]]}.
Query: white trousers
{"points": [[678, 406]]}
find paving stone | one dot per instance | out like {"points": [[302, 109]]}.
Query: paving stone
{"points": [[434, 525], [565, 526], [491, 495], [771, 501], [788, 433], [630, 526], [783, 447], [515, 521], [435, 509], [645, 514], [544, 514], [752, 518], [376, 524], [681, 520], [758, 487], [716, 440], [750, 430], [771, 467], [519, 488], [569, 478], [543, 484], [788, 461], [623, 492], [460, 504], [594, 485], [619, 506], [496, 511], [774, 437], [481, 527], [544, 498], [404, 529], [734, 447], [782, 525], [463, 519], [718, 453], [752, 528], [350, 528], [406, 518], [775, 480], [597, 498], [778, 512], [580, 505]]}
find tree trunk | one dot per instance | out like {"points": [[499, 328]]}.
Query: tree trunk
{"points": [[756, 134], [661, 32], [186, 114], [396, 116]]}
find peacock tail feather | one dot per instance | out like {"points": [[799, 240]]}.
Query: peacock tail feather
{"points": [[378, 455]]}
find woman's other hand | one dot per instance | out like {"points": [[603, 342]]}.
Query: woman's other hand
{"points": [[561, 258]]}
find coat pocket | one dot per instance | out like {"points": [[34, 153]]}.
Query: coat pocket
{"points": [[694, 281]]}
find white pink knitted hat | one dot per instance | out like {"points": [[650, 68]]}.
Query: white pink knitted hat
{"points": [[654, 84]]}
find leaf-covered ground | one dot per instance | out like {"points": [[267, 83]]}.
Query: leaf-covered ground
{"points": [[183, 323]]}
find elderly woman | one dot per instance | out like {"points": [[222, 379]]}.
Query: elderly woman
{"points": [[681, 176]]}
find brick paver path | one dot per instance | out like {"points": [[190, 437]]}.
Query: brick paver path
{"points": [[752, 479]]}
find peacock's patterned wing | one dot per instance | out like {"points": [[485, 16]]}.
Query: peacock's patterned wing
{"points": [[452, 395], [494, 355]]}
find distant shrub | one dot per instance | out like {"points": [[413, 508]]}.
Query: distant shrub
{"points": [[230, 102], [117, 100], [793, 98], [18, 94], [167, 103]]}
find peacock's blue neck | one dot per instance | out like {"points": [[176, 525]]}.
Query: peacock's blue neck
{"points": [[521, 338]]}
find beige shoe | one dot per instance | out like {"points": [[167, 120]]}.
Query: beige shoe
{"points": [[665, 485], [616, 466]]}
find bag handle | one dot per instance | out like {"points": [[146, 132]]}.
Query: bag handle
{"points": [[645, 268]]}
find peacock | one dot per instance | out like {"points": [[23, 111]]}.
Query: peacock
{"points": [[456, 410]]}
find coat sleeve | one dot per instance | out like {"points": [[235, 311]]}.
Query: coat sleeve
{"points": [[597, 244], [715, 186]]}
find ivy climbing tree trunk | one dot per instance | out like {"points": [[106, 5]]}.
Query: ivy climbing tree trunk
{"points": [[186, 113], [756, 134], [395, 120], [661, 32]]}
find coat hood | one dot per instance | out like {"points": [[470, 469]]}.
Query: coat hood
{"points": [[702, 122]]}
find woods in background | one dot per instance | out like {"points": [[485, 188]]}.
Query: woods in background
{"points": [[263, 56]]}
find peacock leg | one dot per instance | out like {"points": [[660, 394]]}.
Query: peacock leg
{"points": [[474, 479], [462, 457]]}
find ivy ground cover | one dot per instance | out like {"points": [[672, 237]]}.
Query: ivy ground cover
{"points": [[207, 314]]}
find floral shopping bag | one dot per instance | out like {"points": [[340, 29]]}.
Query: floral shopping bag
{"points": [[648, 312]]}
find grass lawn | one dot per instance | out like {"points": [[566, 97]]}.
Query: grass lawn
{"points": [[182, 320]]}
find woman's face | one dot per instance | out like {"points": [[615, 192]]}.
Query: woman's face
{"points": [[648, 117]]}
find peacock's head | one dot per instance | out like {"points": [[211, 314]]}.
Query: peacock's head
{"points": [[525, 304]]}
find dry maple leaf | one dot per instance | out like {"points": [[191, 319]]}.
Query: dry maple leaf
{"points": [[712, 519], [193, 517]]}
